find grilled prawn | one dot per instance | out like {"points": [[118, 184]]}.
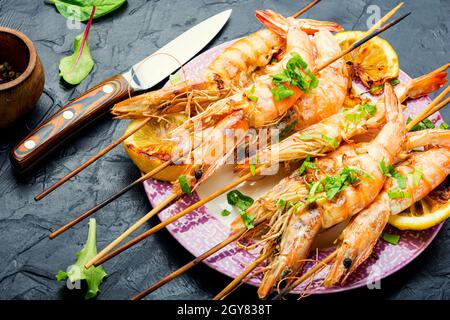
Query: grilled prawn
{"points": [[360, 236]]}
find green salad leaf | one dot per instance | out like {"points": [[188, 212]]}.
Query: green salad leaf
{"points": [[76, 67], [74, 70], [77, 272], [81, 9]]}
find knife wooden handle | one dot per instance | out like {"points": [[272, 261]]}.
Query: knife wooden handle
{"points": [[74, 116]]}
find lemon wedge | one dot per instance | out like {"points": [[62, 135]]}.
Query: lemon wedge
{"points": [[425, 214], [374, 63], [149, 146]]}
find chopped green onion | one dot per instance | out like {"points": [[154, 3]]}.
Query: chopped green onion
{"points": [[239, 200], [174, 79], [306, 165], [281, 92], [297, 207], [248, 220], [281, 203], [428, 123], [396, 193], [242, 202], [390, 238], [252, 169], [444, 125], [370, 109], [332, 185], [425, 124], [333, 142], [394, 82], [417, 175], [184, 185], [291, 75], [391, 172], [376, 89], [225, 213], [251, 95]]}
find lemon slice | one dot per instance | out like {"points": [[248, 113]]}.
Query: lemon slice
{"points": [[374, 63], [425, 214], [149, 147]]}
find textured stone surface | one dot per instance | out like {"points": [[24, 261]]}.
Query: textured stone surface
{"points": [[29, 260]]}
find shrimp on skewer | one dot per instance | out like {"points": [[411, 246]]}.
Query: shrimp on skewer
{"points": [[326, 135], [232, 69], [360, 236], [355, 186]]}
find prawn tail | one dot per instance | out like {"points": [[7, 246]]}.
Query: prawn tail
{"points": [[312, 26], [280, 25], [425, 84], [273, 21]]}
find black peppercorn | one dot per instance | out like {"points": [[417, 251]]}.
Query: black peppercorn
{"points": [[198, 174], [347, 263]]}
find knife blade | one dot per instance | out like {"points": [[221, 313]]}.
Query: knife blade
{"points": [[91, 105]]}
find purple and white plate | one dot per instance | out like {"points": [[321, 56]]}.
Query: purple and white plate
{"points": [[204, 228]]}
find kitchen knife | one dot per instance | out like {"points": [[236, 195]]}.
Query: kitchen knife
{"points": [[85, 109]]}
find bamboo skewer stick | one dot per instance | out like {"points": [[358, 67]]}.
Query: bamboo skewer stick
{"points": [[236, 282], [135, 226], [130, 186], [193, 263], [439, 107], [83, 166], [102, 256], [369, 35], [308, 274], [305, 8], [430, 109], [107, 201]]}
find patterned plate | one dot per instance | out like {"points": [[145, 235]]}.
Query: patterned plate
{"points": [[205, 227]]}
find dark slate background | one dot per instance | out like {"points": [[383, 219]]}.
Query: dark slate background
{"points": [[29, 260]]}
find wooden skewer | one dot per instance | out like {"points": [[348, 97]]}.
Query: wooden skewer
{"points": [[430, 109], [439, 107], [229, 288], [193, 263], [102, 256], [130, 186], [369, 35], [366, 38], [134, 227], [107, 201], [306, 8], [83, 166], [311, 272]]}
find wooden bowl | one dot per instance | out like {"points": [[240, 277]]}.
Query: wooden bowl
{"points": [[19, 96]]}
